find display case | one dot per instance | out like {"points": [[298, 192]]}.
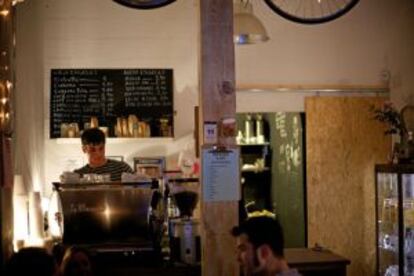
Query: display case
{"points": [[395, 219]]}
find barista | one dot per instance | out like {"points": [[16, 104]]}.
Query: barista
{"points": [[93, 145]]}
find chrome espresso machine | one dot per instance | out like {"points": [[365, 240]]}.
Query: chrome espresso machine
{"points": [[184, 229], [113, 217]]}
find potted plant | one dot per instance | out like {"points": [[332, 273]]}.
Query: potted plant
{"points": [[389, 115]]}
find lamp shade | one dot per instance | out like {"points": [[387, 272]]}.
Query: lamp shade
{"points": [[247, 27]]}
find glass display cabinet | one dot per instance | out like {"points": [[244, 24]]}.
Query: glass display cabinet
{"points": [[395, 219]]}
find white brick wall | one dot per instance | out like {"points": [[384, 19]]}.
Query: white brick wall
{"points": [[377, 35]]}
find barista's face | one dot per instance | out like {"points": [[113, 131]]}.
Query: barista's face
{"points": [[247, 257], [96, 153]]}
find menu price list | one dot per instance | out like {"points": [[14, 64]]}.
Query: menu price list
{"points": [[79, 94]]}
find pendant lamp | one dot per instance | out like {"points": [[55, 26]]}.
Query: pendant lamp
{"points": [[247, 27]]}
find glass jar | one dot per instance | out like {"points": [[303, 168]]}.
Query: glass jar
{"points": [[259, 129], [165, 129]]}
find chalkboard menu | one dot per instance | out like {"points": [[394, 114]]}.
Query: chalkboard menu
{"points": [[108, 94], [288, 174]]}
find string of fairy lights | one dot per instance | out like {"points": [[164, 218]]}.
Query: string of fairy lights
{"points": [[7, 45], [5, 80]]}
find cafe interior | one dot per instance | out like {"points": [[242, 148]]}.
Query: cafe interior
{"points": [[292, 100]]}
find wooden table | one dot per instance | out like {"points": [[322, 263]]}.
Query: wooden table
{"points": [[311, 262]]}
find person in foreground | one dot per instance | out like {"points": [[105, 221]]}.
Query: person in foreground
{"points": [[260, 247], [31, 261], [93, 144], [76, 262]]}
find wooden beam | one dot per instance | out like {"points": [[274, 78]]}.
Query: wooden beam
{"points": [[217, 101], [308, 87]]}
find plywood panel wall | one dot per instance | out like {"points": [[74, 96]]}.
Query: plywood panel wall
{"points": [[343, 144]]}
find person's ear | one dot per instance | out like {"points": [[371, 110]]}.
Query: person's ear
{"points": [[263, 253], [84, 148]]}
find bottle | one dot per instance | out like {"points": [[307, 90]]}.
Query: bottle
{"points": [[94, 122], [259, 129], [118, 127], [239, 138], [248, 129]]}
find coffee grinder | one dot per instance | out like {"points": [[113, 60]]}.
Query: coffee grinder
{"points": [[185, 242]]}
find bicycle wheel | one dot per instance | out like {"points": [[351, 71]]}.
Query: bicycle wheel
{"points": [[311, 11], [144, 4]]}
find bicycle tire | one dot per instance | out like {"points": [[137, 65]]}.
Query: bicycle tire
{"points": [[295, 16], [144, 5]]}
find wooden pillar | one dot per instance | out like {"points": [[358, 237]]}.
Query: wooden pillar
{"points": [[217, 101], [6, 169], [6, 200]]}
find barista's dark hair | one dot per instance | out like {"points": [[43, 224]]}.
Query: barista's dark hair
{"points": [[260, 231], [93, 136]]}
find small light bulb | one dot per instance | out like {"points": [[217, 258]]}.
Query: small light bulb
{"points": [[4, 100], [15, 2], [4, 12]]}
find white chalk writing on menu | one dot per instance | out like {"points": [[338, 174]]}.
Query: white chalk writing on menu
{"points": [[78, 94]]}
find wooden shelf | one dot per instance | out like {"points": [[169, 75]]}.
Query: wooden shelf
{"points": [[114, 140], [255, 144], [256, 170]]}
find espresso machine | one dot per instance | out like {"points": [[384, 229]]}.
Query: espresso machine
{"points": [[113, 220], [184, 229]]}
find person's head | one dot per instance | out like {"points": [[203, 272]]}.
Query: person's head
{"points": [[58, 251], [76, 262], [31, 261], [259, 245], [93, 144]]}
